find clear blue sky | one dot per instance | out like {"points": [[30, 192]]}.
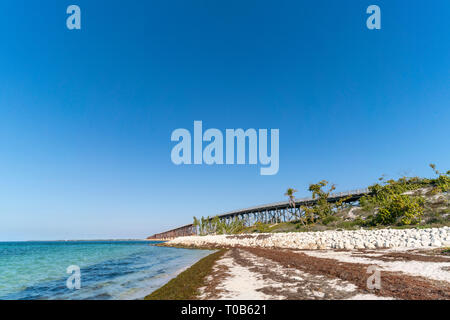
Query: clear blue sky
{"points": [[86, 116]]}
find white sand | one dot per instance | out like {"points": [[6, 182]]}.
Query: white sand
{"points": [[431, 270], [242, 283]]}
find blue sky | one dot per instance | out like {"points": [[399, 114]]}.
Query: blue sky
{"points": [[86, 116]]}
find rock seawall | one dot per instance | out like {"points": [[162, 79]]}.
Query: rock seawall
{"points": [[359, 239]]}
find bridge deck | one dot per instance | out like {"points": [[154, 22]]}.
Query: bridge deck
{"points": [[349, 196]]}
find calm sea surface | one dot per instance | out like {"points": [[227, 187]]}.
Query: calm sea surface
{"points": [[109, 269]]}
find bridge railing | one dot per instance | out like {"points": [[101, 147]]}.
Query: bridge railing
{"points": [[356, 192], [190, 229]]}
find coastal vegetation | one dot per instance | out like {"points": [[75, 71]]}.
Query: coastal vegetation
{"points": [[322, 209], [290, 194], [217, 226], [397, 203], [187, 284], [402, 201]]}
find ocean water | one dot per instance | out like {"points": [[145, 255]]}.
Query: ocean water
{"points": [[122, 270]]}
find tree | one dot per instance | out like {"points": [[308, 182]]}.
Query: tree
{"points": [[322, 208], [401, 209], [442, 181], [197, 225], [290, 193]]}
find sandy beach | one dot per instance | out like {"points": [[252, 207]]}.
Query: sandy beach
{"points": [[269, 266]]}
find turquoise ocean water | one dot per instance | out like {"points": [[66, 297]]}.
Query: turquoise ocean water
{"points": [[109, 269]]}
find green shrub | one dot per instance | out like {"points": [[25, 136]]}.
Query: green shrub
{"points": [[262, 227], [442, 181], [216, 225], [351, 224], [382, 193], [400, 209], [391, 205], [329, 219], [322, 208]]}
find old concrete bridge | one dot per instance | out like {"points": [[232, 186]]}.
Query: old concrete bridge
{"points": [[269, 213]]}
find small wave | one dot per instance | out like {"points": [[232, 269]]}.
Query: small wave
{"points": [[109, 270]]}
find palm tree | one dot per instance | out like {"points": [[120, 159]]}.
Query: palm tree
{"points": [[290, 193]]}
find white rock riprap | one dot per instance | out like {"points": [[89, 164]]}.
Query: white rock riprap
{"points": [[359, 239]]}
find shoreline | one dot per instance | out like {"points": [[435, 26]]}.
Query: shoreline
{"points": [[252, 268], [186, 284], [271, 274]]}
